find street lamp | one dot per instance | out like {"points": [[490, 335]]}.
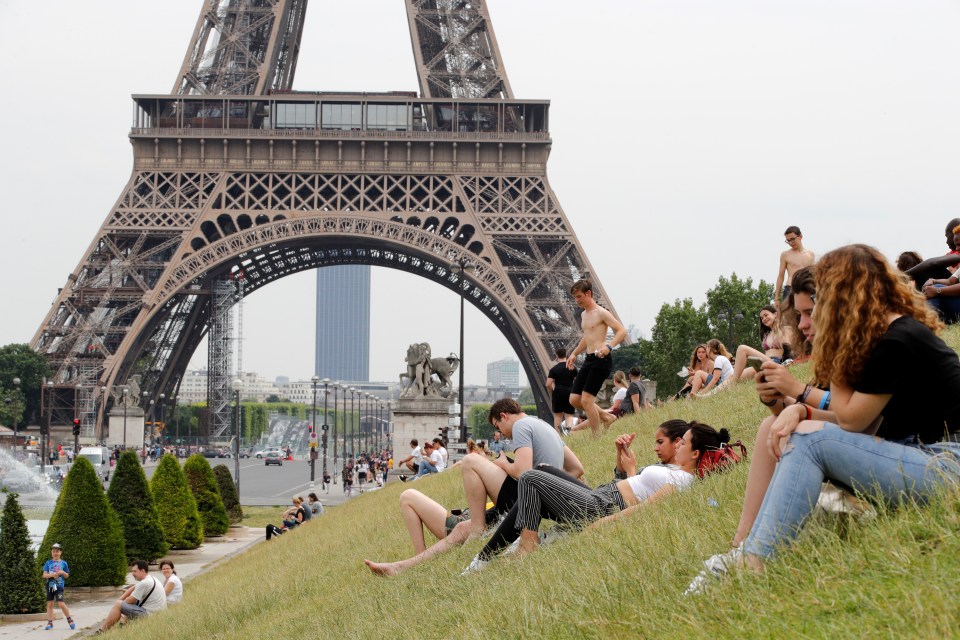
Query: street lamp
{"points": [[337, 417], [354, 426], [389, 425], [176, 420], [729, 317], [369, 432], [145, 427], [237, 386], [76, 416], [103, 412], [126, 392], [45, 434], [326, 428], [462, 267], [163, 424], [314, 381], [16, 409]]}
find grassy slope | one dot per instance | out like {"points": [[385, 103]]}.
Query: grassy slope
{"points": [[895, 576]]}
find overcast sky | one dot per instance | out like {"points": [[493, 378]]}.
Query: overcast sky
{"points": [[687, 136]]}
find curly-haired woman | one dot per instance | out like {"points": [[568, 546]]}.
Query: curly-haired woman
{"points": [[895, 394]]}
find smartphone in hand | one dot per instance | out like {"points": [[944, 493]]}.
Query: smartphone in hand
{"points": [[755, 361]]}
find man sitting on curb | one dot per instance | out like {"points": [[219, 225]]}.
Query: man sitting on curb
{"points": [[145, 597]]}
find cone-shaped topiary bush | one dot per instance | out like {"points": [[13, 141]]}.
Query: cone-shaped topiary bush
{"points": [[129, 495], [176, 507], [21, 589], [203, 485], [87, 528], [228, 491]]}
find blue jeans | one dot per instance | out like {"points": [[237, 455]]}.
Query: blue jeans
{"points": [[883, 470], [948, 306], [426, 467]]}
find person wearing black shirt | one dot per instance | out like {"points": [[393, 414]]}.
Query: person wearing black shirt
{"points": [[559, 384], [894, 393]]}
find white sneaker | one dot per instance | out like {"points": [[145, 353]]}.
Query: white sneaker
{"points": [[513, 547], [715, 568], [476, 565]]}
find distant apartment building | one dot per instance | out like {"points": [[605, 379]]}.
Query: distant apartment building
{"points": [[504, 374]]}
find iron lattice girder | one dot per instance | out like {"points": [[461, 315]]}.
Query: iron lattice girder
{"points": [[455, 50], [243, 47]]}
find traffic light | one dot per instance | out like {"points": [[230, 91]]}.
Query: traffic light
{"points": [[443, 433], [76, 426]]}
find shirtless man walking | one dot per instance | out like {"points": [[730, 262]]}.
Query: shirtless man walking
{"points": [[595, 322], [792, 260]]}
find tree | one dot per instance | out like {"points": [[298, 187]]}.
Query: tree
{"points": [[732, 297], [176, 505], [88, 529], [203, 486], [677, 330], [20, 361], [21, 590], [228, 491], [629, 356], [129, 495], [526, 396]]}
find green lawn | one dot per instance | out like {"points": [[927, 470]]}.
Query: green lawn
{"points": [[895, 576]]}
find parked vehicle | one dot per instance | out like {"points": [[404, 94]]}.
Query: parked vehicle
{"points": [[263, 452], [272, 457], [217, 453]]}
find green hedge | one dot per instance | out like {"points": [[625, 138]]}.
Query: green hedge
{"points": [[205, 491], [21, 589], [176, 506], [129, 495], [228, 491], [88, 529]]}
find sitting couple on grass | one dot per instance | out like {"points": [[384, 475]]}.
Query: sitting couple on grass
{"points": [[535, 443], [881, 420]]}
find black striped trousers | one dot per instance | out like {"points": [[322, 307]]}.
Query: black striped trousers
{"points": [[544, 495]]}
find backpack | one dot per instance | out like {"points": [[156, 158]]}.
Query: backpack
{"points": [[721, 458]]}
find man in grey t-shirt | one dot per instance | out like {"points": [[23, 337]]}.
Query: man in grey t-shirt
{"points": [[534, 442]]}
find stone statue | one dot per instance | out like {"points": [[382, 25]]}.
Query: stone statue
{"points": [[421, 369], [132, 399]]}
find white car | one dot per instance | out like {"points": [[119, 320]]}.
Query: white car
{"points": [[263, 452]]}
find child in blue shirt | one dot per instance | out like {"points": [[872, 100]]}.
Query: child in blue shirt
{"points": [[54, 572]]}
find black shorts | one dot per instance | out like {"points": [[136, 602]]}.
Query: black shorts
{"points": [[507, 496], [55, 595], [592, 375], [560, 400]]}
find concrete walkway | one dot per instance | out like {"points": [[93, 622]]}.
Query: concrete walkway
{"points": [[91, 607]]}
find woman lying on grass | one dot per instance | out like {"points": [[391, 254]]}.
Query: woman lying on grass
{"points": [[542, 494], [453, 529], [895, 394]]}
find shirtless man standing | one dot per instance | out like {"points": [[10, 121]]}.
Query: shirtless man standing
{"points": [[595, 321], [792, 260]]}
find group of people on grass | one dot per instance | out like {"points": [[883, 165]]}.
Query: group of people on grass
{"points": [[879, 419], [147, 595], [299, 512]]}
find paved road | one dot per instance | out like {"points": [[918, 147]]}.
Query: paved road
{"points": [[272, 485]]}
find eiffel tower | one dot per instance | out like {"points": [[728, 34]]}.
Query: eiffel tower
{"points": [[237, 176]]}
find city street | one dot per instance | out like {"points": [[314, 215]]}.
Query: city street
{"points": [[269, 485]]}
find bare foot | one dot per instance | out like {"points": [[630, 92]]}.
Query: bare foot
{"points": [[381, 569]]}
